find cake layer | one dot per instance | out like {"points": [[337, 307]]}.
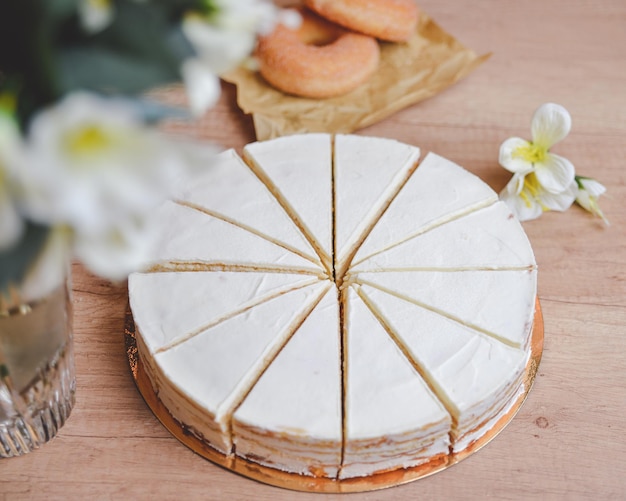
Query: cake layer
{"points": [[203, 369], [471, 373], [385, 392], [291, 419]]}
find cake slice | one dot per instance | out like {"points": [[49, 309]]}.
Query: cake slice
{"points": [[475, 376], [230, 190], [291, 420], [489, 238], [191, 239], [195, 301], [367, 176], [428, 199], [501, 303], [205, 378], [298, 171], [391, 415]]}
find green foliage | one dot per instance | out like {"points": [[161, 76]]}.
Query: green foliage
{"points": [[45, 53], [45, 49]]}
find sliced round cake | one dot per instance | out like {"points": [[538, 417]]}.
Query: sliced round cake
{"points": [[332, 306]]}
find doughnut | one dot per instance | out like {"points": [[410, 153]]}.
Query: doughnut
{"points": [[319, 59], [389, 20]]}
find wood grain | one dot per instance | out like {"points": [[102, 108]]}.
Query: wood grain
{"points": [[569, 439]]}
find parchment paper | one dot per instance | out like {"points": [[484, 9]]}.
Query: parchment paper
{"points": [[429, 62]]}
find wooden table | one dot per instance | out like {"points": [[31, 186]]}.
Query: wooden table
{"points": [[569, 439]]}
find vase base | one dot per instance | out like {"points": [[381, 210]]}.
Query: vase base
{"points": [[46, 404]]}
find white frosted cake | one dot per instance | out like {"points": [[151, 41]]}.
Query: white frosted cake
{"points": [[331, 306]]}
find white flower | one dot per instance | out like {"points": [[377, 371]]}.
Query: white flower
{"points": [[222, 39], [528, 199], [91, 165], [95, 15], [11, 223], [203, 86], [118, 251], [541, 180], [550, 124], [226, 36], [588, 192]]}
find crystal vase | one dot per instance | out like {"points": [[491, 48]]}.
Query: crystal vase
{"points": [[37, 381]]}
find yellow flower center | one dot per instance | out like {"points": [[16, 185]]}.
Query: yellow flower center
{"points": [[8, 102], [531, 191], [90, 139], [100, 4], [531, 153]]}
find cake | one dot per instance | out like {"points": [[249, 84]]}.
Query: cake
{"points": [[334, 307]]}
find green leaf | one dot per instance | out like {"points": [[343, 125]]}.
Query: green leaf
{"points": [[15, 262], [102, 70], [58, 9], [140, 50]]}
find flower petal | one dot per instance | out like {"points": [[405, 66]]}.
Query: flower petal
{"points": [[11, 224], [560, 201], [524, 209], [515, 184], [117, 251], [220, 48], [291, 18], [593, 187], [555, 173], [95, 15], [587, 196], [551, 123], [203, 87], [510, 160]]}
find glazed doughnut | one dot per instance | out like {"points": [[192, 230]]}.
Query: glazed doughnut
{"points": [[390, 20], [320, 59]]}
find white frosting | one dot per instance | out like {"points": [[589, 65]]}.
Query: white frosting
{"points": [[229, 188], [500, 303], [487, 238], [429, 198], [243, 336], [204, 368], [466, 440], [300, 168], [466, 367], [384, 392], [189, 235], [292, 417], [367, 175], [204, 298]]}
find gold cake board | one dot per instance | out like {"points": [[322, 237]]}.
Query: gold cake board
{"points": [[297, 482]]}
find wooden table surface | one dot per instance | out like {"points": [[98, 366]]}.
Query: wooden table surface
{"points": [[569, 439]]}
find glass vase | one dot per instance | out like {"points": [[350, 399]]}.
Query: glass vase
{"points": [[37, 380]]}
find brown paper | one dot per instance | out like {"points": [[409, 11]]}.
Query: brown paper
{"points": [[408, 73]]}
